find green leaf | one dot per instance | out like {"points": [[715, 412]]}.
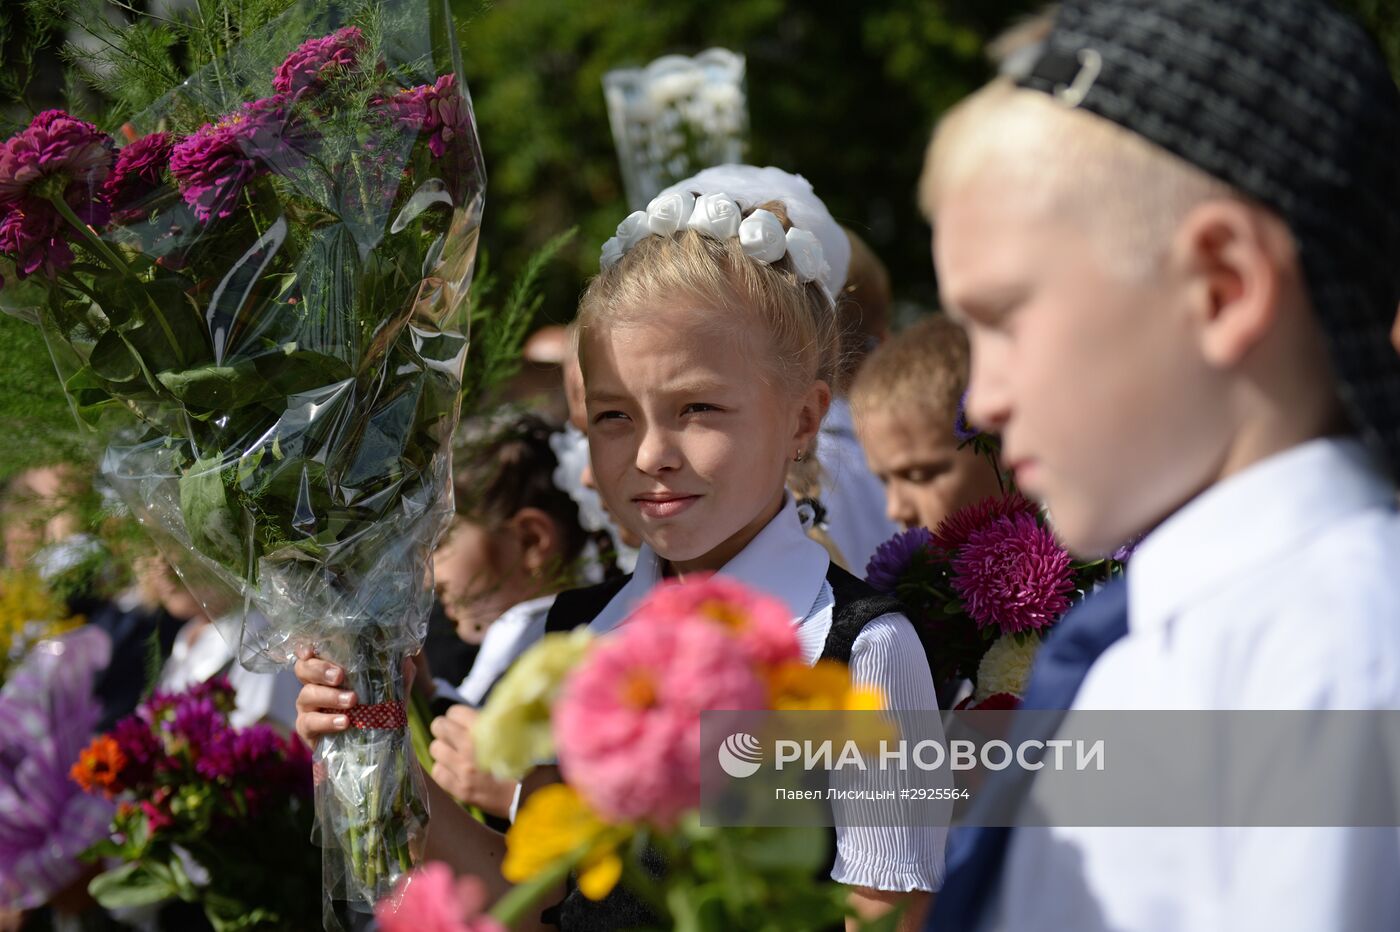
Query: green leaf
{"points": [[129, 885], [208, 518], [111, 359], [801, 849], [218, 388]]}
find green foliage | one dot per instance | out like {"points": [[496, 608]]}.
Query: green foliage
{"points": [[32, 406]]}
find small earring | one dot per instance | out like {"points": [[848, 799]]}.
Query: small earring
{"points": [[801, 455]]}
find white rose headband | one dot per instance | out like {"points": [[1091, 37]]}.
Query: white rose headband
{"points": [[712, 203]]}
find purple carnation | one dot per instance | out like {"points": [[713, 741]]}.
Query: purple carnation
{"points": [[136, 174], [55, 156], [318, 60], [435, 110], [214, 163], [1013, 575], [892, 558]]}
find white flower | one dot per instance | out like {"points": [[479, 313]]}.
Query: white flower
{"points": [[715, 215], [633, 229], [804, 252], [677, 78], [570, 447], [761, 236], [1006, 667], [668, 213], [612, 252]]}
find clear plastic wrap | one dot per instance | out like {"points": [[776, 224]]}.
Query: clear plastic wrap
{"points": [[271, 274]]}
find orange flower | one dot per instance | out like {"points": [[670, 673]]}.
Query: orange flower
{"points": [[826, 686], [99, 766]]}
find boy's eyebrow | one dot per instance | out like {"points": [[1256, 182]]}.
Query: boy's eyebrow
{"points": [[604, 397]]}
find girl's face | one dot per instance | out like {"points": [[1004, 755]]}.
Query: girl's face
{"points": [[477, 577], [690, 438]]}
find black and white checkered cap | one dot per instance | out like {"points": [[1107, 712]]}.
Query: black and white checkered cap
{"points": [[1289, 102]]}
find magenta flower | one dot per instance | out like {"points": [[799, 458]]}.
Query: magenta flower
{"points": [[761, 624], [1013, 575], [318, 61], [137, 174], [953, 531], [627, 724], [56, 156], [892, 558], [213, 165], [435, 110], [431, 899]]}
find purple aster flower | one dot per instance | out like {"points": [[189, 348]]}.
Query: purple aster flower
{"points": [[892, 558], [137, 174], [1013, 575], [140, 747], [961, 430], [56, 156], [1123, 553], [435, 110], [317, 61], [213, 164]]}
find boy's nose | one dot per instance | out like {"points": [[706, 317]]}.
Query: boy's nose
{"points": [[898, 507], [657, 453]]}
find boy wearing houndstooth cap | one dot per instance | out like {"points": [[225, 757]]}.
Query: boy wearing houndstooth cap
{"points": [[1174, 240]]}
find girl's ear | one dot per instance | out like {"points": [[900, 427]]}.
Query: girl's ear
{"points": [[814, 404], [539, 539]]}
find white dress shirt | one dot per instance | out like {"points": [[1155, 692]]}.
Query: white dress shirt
{"points": [[854, 499], [1278, 588], [788, 565], [200, 652], [518, 628]]}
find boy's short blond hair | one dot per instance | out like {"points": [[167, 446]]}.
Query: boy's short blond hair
{"points": [[922, 372], [1129, 193]]}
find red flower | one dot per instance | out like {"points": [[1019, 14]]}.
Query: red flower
{"points": [[1013, 575], [99, 766], [954, 530]]}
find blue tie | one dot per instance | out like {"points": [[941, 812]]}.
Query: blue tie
{"points": [[975, 866]]}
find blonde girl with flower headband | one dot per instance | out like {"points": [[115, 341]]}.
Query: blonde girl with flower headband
{"points": [[709, 342]]}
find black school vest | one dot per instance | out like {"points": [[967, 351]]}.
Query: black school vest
{"points": [[856, 605]]}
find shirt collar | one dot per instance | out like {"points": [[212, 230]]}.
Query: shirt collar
{"points": [[781, 561], [1250, 519]]}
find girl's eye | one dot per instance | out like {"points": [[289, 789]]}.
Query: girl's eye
{"points": [[924, 474], [608, 416], [699, 408]]}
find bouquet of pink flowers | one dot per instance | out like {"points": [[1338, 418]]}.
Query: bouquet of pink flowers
{"points": [[270, 276], [622, 714], [206, 813]]}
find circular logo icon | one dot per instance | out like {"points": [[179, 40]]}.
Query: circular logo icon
{"points": [[740, 755]]}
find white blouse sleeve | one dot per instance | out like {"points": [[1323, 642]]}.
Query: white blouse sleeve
{"points": [[889, 656]]}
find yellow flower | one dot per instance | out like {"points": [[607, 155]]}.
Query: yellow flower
{"points": [[555, 824], [825, 686], [513, 732], [1006, 666], [28, 614]]}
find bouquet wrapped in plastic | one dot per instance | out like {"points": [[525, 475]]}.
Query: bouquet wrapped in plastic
{"points": [[270, 273]]}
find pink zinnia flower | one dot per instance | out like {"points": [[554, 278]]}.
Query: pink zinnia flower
{"points": [[431, 899], [953, 531], [627, 724], [136, 174], [157, 817], [55, 156], [317, 61], [435, 110], [1013, 575], [762, 624], [214, 163]]}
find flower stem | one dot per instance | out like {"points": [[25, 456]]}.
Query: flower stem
{"points": [[92, 238], [116, 262]]}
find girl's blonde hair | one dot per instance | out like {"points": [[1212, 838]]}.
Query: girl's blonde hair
{"points": [[805, 344]]}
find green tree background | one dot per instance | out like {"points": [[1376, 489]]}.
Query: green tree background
{"points": [[844, 93]]}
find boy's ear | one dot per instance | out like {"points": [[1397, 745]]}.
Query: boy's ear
{"points": [[538, 537], [815, 403], [1237, 259]]}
